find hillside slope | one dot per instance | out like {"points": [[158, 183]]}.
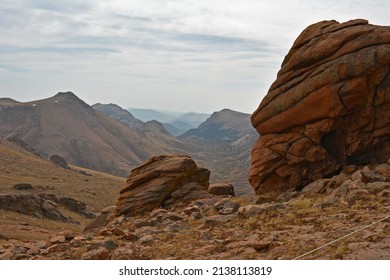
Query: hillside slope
{"points": [[75, 186], [223, 143], [65, 125]]}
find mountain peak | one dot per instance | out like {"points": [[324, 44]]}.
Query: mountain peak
{"points": [[65, 94], [224, 124], [8, 101], [70, 99]]}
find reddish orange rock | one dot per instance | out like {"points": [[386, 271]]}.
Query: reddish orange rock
{"points": [[329, 107], [162, 181]]}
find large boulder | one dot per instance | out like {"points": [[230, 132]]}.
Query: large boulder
{"points": [[329, 107], [162, 181]]}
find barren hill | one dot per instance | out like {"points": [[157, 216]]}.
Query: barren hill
{"points": [[223, 125], [67, 126], [118, 113], [225, 139], [113, 141], [32, 188], [222, 142]]}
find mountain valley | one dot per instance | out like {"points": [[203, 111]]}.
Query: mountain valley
{"points": [[306, 176]]}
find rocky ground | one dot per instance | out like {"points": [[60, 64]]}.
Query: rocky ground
{"points": [[228, 227], [319, 171]]}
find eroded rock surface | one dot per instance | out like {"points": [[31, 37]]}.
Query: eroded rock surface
{"points": [[329, 107], [162, 181], [44, 205]]}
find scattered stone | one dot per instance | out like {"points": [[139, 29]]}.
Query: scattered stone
{"points": [[384, 194], [97, 254], [172, 226], [69, 235], [23, 187], [58, 248], [221, 189], [78, 241], [146, 231], [139, 223], [158, 214], [124, 253], [130, 236], [191, 209], [105, 232], [3, 237], [370, 176], [216, 220], [193, 212], [226, 207], [254, 210], [118, 231], [110, 245], [383, 169], [58, 239], [147, 239], [262, 247], [172, 216]]}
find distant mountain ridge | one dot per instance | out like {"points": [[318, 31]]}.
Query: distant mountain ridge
{"points": [[67, 126], [226, 138], [114, 141], [223, 125], [176, 123], [119, 114]]}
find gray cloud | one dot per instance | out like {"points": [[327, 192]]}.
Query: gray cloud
{"points": [[61, 6], [212, 54]]}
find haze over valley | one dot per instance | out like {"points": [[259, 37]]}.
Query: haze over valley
{"points": [[216, 130]]}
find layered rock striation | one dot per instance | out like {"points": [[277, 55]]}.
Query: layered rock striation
{"points": [[163, 180], [329, 107]]}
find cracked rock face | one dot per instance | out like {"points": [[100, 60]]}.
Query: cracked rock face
{"points": [[329, 107], [163, 180]]}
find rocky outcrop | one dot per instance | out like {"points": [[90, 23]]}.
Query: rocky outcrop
{"points": [[44, 206], [19, 142], [23, 187], [328, 107], [226, 227], [34, 205], [59, 161], [162, 181], [71, 204]]}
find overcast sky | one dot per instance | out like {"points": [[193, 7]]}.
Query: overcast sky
{"points": [[185, 55]]}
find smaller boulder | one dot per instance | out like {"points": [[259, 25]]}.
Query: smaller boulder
{"points": [[254, 210], [165, 180], [97, 254], [2, 237], [226, 207], [57, 239], [221, 189], [59, 161]]}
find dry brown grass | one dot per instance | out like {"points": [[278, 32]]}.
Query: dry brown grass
{"points": [[18, 166]]}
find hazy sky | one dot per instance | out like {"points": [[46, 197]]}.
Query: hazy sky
{"points": [[186, 55]]}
